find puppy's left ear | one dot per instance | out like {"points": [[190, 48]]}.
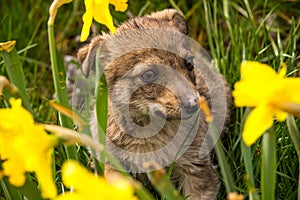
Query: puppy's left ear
{"points": [[87, 55]]}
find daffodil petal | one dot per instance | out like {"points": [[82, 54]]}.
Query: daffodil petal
{"points": [[245, 95], [255, 86], [70, 169], [281, 115], [250, 69], [87, 22], [88, 3], [44, 176], [104, 17], [289, 91], [120, 5], [282, 71], [16, 105], [259, 120], [15, 172], [73, 175]]}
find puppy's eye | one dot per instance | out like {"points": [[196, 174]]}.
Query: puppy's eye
{"points": [[149, 76], [189, 63]]}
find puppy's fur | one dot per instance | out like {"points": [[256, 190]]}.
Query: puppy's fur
{"points": [[134, 60]]}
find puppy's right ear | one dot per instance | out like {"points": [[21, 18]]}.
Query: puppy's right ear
{"points": [[173, 16], [87, 55]]}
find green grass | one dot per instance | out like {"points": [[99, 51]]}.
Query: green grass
{"points": [[231, 31]]}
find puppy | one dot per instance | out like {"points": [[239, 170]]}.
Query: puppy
{"points": [[155, 76]]}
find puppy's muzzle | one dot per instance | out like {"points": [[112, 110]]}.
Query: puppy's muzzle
{"points": [[189, 104]]}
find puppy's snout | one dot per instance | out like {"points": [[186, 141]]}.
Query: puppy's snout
{"points": [[189, 104]]}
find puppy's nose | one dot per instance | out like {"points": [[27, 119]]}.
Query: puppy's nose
{"points": [[189, 104]]}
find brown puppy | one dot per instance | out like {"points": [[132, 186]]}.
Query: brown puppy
{"points": [[155, 75]]}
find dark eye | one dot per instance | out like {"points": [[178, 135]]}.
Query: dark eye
{"points": [[149, 76], [189, 63]]}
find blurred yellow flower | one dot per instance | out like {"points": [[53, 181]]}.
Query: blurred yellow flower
{"points": [[271, 93], [25, 146], [99, 10], [86, 185]]}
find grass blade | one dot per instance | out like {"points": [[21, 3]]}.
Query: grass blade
{"points": [[248, 162], [101, 104], [9, 191], [223, 162]]}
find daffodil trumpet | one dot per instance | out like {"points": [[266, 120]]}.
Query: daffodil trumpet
{"points": [[291, 108]]}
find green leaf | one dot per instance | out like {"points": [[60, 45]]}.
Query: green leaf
{"points": [[10, 192], [294, 133], [222, 160], [268, 173], [30, 190], [101, 93], [16, 75], [295, 136]]}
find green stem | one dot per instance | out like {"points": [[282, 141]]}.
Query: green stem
{"points": [[223, 162], [249, 171], [60, 88], [268, 175], [295, 136]]}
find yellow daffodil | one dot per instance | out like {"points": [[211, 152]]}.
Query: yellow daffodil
{"points": [[99, 10], [25, 146], [270, 93], [88, 186]]}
